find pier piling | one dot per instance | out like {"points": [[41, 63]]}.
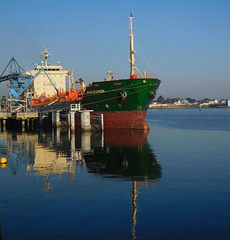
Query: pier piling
{"points": [[72, 120], [23, 125], [40, 117], [4, 124], [85, 121], [100, 121], [56, 119]]}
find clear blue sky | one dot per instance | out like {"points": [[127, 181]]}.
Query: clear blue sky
{"points": [[185, 42]]}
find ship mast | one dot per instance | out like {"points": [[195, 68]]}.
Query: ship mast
{"points": [[132, 51]]}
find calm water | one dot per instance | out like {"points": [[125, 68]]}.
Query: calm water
{"points": [[170, 183]]}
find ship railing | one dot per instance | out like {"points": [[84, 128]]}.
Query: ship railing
{"points": [[147, 75]]}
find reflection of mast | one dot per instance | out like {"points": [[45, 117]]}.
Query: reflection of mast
{"points": [[134, 205]]}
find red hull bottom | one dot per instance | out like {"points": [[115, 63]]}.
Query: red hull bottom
{"points": [[123, 119]]}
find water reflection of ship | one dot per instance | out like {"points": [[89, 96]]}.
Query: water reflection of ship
{"points": [[120, 153], [126, 154], [123, 154], [53, 155], [44, 154]]}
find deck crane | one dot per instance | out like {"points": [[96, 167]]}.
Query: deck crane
{"points": [[18, 89]]}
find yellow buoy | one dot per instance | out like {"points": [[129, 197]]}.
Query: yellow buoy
{"points": [[3, 160]]}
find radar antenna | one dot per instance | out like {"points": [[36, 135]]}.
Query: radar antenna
{"points": [[46, 54]]}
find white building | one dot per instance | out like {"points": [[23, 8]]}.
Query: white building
{"points": [[210, 102], [181, 102]]}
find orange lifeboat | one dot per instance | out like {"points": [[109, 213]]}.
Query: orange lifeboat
{"points": [[74, 95]]}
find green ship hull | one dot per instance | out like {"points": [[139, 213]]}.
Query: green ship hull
{"points": [[123, 103]]}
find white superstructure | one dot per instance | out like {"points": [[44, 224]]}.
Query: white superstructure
{"points": [[42, 85]]}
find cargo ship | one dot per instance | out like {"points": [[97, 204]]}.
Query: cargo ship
{"points": [[123, 102]]}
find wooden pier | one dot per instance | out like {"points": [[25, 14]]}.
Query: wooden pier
{"points": [[55, 118], [14, 119]]}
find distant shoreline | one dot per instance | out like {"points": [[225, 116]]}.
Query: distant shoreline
{"points": [[185, 107]]}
